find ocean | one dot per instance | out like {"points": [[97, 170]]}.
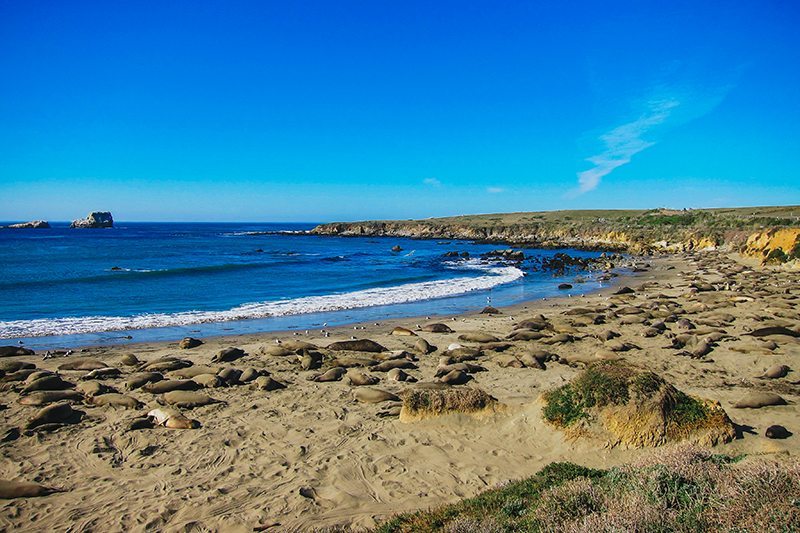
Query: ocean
{"points": [[137, 282]]}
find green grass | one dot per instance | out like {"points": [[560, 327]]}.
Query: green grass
{"points": [[678, 489]]}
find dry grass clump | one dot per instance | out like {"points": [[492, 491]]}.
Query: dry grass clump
{"points": [[614, 401], [684, 488], [426, 403]]}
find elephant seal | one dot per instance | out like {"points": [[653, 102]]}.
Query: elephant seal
{"points": [[437, 328], [20, 489], [83, 364], [51, 396], [360, 345], [166, 364], [526, 335], [358, 379], [310, 360], [103, 373], [115, 400], [369, 395], [56, 413], [188, 399], [477, 337], [455, 377], [12, 351], [208, 381], [129, 360], [172, 419], [196, 370], [777, 432], [13, 366], [757, 400], [776, 371], [530, 361], [140, 379], [267, 383], [50, 382], [230, 375], [189, 342], [277, 350], [393, 363], [250, 374], [298, 346], [160, 387], [334, 374], [93, 388], [228, 355], [403, 332], [397, 374], [140, 423], [424, 347], [351, 362]]}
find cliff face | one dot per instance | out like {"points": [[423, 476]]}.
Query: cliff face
{"points": [[774, 246], [97, 219], [638, 232]]}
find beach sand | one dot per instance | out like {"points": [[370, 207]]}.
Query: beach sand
{"points": [[310, 456]]}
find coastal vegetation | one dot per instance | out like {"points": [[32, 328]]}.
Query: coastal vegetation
{"points": [[682, 488]]}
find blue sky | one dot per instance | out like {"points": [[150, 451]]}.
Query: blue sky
{"points": [[316, 111]]}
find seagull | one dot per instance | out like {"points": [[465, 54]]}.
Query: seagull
{"points": [[427, 318], [352, 337], [324, 324], [277, 341]]}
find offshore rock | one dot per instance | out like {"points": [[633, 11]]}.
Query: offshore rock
{"points": [[96, 219]]}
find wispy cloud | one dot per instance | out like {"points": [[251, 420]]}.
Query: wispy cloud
{"points": [[625, 141], [432, 182], [495, 190]]}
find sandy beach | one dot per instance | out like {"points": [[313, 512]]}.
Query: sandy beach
{"points": [[311, 456]]}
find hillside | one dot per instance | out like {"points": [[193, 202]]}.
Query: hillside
{"points": [[638, 231]]}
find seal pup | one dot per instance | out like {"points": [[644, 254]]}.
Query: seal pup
{"points": [[172, 419]]}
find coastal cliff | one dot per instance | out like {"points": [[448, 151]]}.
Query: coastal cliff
{"points": [[635, 231]]}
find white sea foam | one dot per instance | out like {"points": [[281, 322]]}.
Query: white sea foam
{"points": [[412, 292]]}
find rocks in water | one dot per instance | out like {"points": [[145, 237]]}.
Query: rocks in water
{"points": [[95, 219], [397, 248], [227, 355], [361, 345], [758, 399], [13, 351], [777, 432], [33, 224], [189, 342], [437, 328], [505, 255]]}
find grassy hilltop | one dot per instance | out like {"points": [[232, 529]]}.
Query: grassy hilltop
{"points": [[626, 229]]}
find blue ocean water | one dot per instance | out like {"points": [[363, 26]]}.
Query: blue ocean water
{"points": [[158, 281]]}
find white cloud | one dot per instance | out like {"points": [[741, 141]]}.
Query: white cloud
{"points": [[433, 182], [495, 190], [625, 141]]}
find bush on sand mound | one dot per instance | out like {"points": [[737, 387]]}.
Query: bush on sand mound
{"points": [[677, 488], [419, 404], [615, 401]]}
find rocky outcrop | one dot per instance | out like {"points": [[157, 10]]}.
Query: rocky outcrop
{"points": [[774, 246], [33, 224], [96, 219], [639, 232]]}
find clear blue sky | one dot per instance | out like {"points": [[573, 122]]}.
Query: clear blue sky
{"points": [[314, 111]]}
